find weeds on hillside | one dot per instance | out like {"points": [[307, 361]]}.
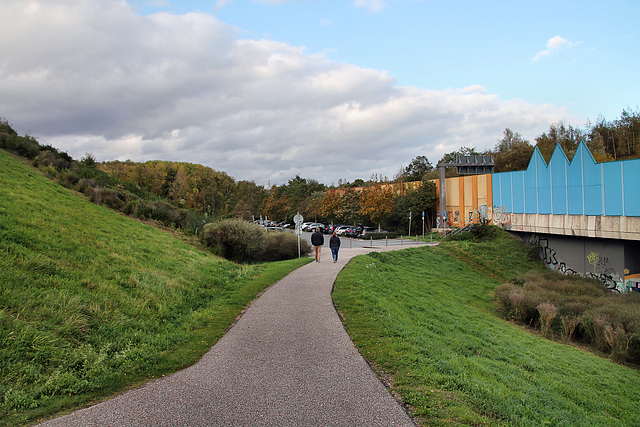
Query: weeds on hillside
{"points": [[585, 312]]}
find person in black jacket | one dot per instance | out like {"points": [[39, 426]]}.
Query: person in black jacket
{"points": [[334, 245], [317, 240]]}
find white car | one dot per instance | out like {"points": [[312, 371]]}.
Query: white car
{"points": [[342, 229], [312, 227]]}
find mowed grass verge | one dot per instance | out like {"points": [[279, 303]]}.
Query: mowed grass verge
{"points": [[92, 302], [425, 319]]}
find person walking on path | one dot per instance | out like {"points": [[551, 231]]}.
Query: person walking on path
{"points": [[334, 245], [317, 240]]}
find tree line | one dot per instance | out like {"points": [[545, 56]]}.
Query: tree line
{"points": [[618, 139], [189, 195], [216, 195]]}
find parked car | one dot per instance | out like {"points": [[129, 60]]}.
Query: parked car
{"points": [[312, 227], [342, 230], [264, 223], [367, 230], [304, 225], [354, 231], [328, 229]]}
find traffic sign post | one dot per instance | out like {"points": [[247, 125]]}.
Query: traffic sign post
{"points": [[298, 219]]}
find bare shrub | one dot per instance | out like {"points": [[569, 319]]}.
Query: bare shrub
{"points": [[595, 325], [501, 294], [516, 297], [44, 159], [235, 239], [96, 195], [586, 311], [569, 325], [618, 340], [111, 199], [283, 245], [548, 313], [106, 197], [85, 186]]}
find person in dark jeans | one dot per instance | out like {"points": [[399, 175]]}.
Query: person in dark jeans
{"points": [[334, 245], [317, 240]]}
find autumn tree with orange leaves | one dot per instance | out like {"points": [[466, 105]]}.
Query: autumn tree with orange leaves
{"points": [[331, 205], [377, 203], [277, 205]]}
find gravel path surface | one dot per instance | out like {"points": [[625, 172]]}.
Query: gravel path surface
{"points": [[287, 362]]}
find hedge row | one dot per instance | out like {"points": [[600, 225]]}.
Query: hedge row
{"points": [[242, 241]]}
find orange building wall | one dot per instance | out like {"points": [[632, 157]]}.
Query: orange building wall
{"points": [[469, 198]]}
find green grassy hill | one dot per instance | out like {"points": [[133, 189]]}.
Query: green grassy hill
{"points": [[92, 302], [426, 320]]}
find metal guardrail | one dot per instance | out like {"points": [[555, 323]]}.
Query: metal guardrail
{"points": [[401, 241]]}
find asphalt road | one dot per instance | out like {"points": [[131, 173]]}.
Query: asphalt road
{"points": [[349, 242], [288, 361]]}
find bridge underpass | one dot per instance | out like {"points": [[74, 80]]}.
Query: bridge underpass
{"points": [[583, 216]]}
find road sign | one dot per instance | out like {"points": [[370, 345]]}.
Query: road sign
{"points": [[298, 220]]}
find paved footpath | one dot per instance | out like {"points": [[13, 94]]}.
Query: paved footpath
{"points": [[288, 361]]}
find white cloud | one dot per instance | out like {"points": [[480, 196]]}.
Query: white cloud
{"points": [[222, 3], [554, 44], [95, 77], [371, 5]]}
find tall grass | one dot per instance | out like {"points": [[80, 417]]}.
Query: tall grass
{"points": [[92, 302], [585, 312], [426, 320]]}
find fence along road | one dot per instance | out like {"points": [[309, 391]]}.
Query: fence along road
{"points": [[288, 361], [351, 242]]}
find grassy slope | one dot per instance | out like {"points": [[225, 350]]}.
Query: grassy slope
{"points": [[426, 319], [92, 302]]}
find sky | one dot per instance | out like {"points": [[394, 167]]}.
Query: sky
{"points": [[265, 90]]}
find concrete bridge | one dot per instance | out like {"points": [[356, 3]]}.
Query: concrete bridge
{"points": [[583, 216]]}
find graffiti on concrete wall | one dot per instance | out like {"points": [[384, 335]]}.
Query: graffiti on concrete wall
{"points": [[632, 281], [602, 269], [442, 218], [501, 215], [483, 212], [546, 253], [567, 271]]}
